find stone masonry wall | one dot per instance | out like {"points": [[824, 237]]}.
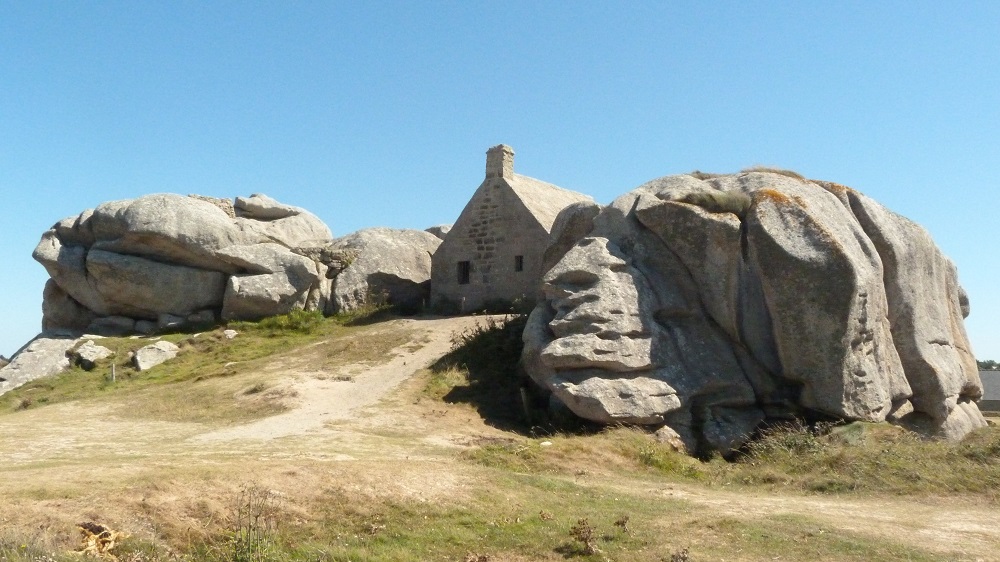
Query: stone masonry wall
{"points": [[492, 231]]}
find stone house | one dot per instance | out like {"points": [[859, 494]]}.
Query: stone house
{"points": [[990, 402], [492, 255]]}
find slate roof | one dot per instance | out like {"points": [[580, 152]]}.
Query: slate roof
{"points": [[991, 384], [542, 199]]}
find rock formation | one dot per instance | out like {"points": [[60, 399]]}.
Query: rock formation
{"points": [[88, 354], [154, 354], [386, 265], [41, 357], [164, 261], [712, 305], [440, 230]]}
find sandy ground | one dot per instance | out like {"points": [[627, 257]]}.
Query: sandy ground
{"points": [[366, 426], [326, 397]]}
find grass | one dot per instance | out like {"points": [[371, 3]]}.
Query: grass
{"points": [[213, 379], [859, 458], [482, 370], [515, 495], [869, 459]]}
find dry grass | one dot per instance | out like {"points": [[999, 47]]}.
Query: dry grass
{"points": [[425, 476], [772, 170]]}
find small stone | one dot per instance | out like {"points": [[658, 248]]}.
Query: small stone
{"points": [[230, 334]]}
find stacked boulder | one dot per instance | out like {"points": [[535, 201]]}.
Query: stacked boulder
{"points": [[384, 266], [164, 261], [710, 305]]}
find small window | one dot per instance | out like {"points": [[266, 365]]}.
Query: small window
{"points": [[518, 263], [464, 269]]}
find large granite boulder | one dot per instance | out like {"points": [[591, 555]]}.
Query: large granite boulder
{"points": [[128, 265], [386, 265], [713, 305], [277, 280], [43, 356]]}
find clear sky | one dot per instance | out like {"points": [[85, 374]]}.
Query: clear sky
{"points": [[379, 113]]}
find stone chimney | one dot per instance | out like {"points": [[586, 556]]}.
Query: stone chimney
{"points": [[500, 162]]}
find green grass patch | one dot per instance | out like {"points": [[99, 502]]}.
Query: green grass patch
{"points": [[213, 379], [869, 458]]}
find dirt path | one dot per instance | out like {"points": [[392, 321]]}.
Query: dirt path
{"points": [[340, 395]]}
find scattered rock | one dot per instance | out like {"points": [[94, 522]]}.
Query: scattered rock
{"points": [[152, 355], [671, 438], [230, 334], [88, 354]]}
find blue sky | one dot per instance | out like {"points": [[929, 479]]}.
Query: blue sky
{"points": [[379, 113]]}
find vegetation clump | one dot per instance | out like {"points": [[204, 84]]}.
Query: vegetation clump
{"points": [[868, 458], [771, 170]]}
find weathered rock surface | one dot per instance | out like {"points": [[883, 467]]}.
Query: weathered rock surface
{"points": [[391, 266], [88, 354], [710, 306], [41, 357], [440, 230], [165, 261], [154, 354], [277, 280]]}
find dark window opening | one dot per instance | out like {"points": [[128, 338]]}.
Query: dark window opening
{"points": [[518, 263], [464, 271]]}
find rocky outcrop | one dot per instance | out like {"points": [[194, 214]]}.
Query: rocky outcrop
{"points": [[166, 261], [440, 230], [154, 354], [387, 265], [712, 306], [41, 357], [88, 354]]}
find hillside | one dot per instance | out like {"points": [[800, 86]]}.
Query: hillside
{"points": [[357, 441]]}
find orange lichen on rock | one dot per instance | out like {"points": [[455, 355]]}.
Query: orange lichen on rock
{"points": [[777, 197]]}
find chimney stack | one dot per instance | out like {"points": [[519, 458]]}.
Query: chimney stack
{"points": [[500, 162]]}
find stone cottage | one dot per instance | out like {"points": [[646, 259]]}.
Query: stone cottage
{"points": [[493, 253]]}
